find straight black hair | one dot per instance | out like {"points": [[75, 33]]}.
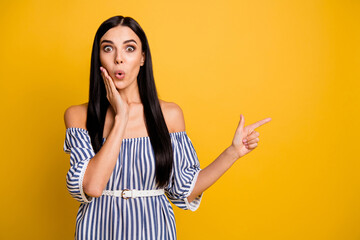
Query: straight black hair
{"points": [[98, 102]]}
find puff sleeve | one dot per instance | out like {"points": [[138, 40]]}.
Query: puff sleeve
{"points": [[78, 144], [185, 171]]}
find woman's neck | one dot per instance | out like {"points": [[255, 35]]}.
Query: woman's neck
{"points": [[130, 94]]}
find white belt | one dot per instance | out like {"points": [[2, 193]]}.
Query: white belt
{"points": [[127, 193]]}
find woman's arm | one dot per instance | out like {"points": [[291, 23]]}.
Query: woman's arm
{"points": [[245, 140], [101, 166], [209, 175]]}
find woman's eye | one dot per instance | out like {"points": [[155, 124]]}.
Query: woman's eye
{"points": [[107, 48], [130, 48]]}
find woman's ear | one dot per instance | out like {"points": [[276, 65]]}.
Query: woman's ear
{"points": [[142, 59]]}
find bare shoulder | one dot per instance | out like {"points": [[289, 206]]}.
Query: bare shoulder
{"points": [[173, 115], [75, 116]]}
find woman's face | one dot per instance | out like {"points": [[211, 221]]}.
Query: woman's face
{"points": [[121, 54]]}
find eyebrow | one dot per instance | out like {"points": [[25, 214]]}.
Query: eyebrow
{"points": [[126, 41]]}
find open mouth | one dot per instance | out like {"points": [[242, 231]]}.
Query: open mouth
{"points": [[120, 74]]}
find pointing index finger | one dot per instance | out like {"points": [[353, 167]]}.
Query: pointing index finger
{"points": [[259, 123]]}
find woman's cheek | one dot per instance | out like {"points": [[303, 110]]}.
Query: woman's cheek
{"points": [[133, 58]]}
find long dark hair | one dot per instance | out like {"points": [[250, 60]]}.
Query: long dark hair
{"points": [[98, 103]]}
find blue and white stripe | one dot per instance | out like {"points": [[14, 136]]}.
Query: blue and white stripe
{"points": [[109, 217]]}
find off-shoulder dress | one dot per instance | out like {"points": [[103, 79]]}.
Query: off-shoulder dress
{"points": [[112, 217]]}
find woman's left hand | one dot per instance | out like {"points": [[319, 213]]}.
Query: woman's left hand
{"points": [[246, 138]]}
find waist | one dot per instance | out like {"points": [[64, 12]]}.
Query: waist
{"points": [[133, 193]]}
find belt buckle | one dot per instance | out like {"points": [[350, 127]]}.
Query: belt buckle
{"points": [[123, 192]]}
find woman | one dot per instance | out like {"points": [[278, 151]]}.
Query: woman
{"points": [[129, 152]]}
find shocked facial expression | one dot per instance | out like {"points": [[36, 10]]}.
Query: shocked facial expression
{"points": [[121, 55]]}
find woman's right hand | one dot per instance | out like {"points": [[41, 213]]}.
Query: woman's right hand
{"points": [[246, 138], [121, 108]]}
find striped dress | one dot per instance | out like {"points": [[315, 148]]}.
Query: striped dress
{"points": [[111, 217]]}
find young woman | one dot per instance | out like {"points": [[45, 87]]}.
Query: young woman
{"points": [[129, 151]]}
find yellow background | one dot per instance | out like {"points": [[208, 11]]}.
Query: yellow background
{"points": [[294, 61]]}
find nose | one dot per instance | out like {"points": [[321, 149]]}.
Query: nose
{"points": [[118, 57]]}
